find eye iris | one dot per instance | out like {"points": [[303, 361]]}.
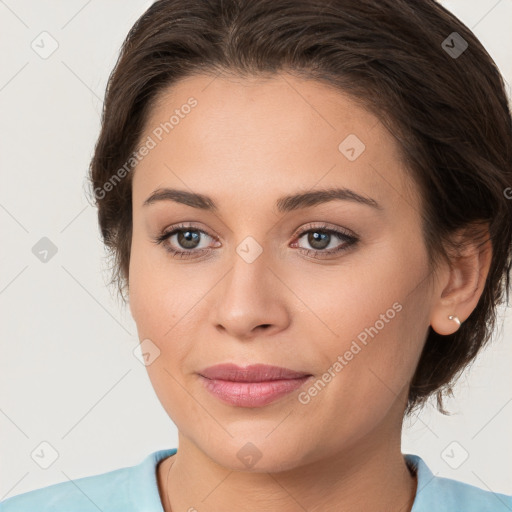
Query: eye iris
{"points": [[315, 237], [187, 238]]}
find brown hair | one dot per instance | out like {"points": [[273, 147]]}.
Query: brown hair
{"points": [[444, 102]]}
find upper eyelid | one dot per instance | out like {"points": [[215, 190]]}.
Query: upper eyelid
{"points": [[298, 233], [325, 226]]}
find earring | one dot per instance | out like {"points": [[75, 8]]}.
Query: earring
{"points": [[455, 319]]}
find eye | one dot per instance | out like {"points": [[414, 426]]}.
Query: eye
{"points": [[186, 237], [184, 241], [322, 237]]}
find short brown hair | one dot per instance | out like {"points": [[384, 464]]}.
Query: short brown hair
{"points": [[444, 102]]}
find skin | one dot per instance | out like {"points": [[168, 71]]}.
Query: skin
{"points": [[247, 143]]}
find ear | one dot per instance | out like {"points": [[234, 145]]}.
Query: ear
{"points": [[462, 281]]}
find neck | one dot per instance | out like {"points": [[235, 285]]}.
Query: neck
{"points": [[370, 476]]}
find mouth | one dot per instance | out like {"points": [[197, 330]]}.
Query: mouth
{"points": [[251, 386]]}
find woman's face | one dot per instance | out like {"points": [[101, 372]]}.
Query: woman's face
{"points": [[267, 283]]}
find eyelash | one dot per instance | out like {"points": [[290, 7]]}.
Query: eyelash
{"points": [[349, 240]]}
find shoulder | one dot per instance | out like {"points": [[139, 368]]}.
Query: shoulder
{"points": [[445, 494], [125, 489], [465, 497], [84, 494]]}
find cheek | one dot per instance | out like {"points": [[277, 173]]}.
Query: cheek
{"points": [[161, 303], [151, 280], [150, 295], [365, 375], [162, 323], [376, 331], [139, 287]]}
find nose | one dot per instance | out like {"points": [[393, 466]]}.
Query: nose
{"points": [[250, 300]]}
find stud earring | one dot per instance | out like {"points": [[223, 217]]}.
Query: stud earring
{"points": [[455, 319]]}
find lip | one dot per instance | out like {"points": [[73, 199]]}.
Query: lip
{"points": [[250, 373], [251, 386]]}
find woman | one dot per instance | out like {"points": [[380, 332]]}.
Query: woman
{"points": [[308, 206]]}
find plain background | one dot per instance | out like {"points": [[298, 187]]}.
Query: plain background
{"points": [[68, 373]]}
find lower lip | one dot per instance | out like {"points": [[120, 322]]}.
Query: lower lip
{"points": [[251, 394]]}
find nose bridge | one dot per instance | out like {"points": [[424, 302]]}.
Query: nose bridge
{"points": [[248, 296], [249, 279]]}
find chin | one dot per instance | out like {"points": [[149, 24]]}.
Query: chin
{"points": [[256, 457]]}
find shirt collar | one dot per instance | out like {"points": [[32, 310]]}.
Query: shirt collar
{"points": [[143, 488], [425, 483]]}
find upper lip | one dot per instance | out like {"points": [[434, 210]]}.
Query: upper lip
{"points": [[251, 373]]}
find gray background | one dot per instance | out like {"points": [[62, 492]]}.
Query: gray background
{"points": [[68, 374]]}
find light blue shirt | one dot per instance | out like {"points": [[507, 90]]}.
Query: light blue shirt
{"points": [[135, 488]]}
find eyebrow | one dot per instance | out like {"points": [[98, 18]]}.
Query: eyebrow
{"points": [[283, 204]]}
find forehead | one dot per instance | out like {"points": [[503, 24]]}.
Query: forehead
{"points": [[226, 135]]}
